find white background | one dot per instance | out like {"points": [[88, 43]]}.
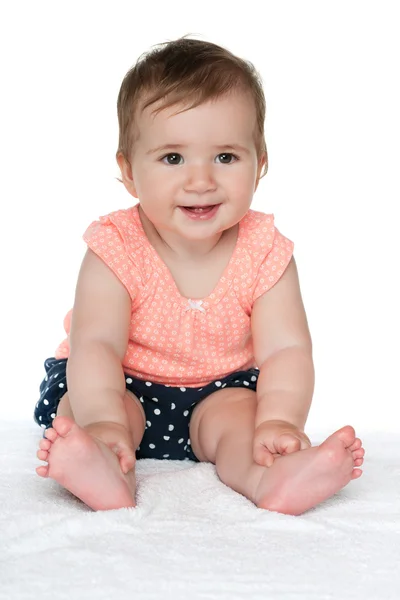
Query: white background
{"points": [[331, 76]]}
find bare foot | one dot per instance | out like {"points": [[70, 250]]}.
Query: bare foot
{"points": [[296, 482], [85, 466]]}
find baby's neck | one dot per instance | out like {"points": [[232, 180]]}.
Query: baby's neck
{"points": [[167, 244]]}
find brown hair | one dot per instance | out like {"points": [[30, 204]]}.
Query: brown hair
{"points": [[185, 71]]}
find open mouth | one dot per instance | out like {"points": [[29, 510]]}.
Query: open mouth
{"points": [[200, 213], [200, 209]]}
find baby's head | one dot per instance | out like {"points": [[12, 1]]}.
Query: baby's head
{"points": [[191, 127]]}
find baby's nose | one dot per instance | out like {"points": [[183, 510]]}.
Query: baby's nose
{"points": [[200, 179]]}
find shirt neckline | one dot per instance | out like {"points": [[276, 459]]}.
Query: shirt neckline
{"points": [[224, 281]]}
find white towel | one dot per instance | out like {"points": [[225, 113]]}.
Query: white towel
{"points": [[191, 537]]}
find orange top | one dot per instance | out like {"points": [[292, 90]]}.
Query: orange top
{"points": [[174, 340]]}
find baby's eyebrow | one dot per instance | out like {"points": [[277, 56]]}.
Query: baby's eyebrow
{"points": [[221, 147]]}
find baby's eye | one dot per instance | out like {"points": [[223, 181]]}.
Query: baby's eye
{"points": [[172, 159], [226, 158]]}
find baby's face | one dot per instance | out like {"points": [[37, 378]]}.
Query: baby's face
{"points": [[202, 157]]}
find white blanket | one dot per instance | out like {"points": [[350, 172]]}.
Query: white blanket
{"points": [[192, 537]]}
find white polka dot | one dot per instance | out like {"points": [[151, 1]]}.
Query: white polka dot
{"points": [[199, 390], [166, 437], [172, 406], [246, 383], [180, 441], [223, 385], [40, 418], [141, 399], [185, 447], [46, 378], [151, 446], [185, 413], [45, 401], [165, 455], [148, 423], [60, 385], [170, 427], [129, 380], [218, 383], [53, 415], [254, 378], [157, 411], [182, 389], [189, 442], [43, 425], [55, 375], [155, 399], [148, 383]]}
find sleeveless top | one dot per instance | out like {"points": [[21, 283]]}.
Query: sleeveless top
{"points": [[178, 341]]}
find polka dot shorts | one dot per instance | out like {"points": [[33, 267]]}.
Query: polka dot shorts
{"points": [[168, 409]]}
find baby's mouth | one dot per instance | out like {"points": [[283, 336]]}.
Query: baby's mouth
{"points": [[200, 209]]}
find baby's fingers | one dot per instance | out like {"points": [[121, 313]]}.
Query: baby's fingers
{"points": [[127, 457], [262, 456], [288, 443]]}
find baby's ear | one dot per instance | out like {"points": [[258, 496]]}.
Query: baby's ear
{"points": [[262, 169], [126, 173]]}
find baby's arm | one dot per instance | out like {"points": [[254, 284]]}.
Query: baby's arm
{"points": [[98, 342], [283, 351]]}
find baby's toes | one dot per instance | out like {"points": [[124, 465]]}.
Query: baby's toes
{"points": [[44, 444], [42, 471], [51, 434], [358, 456], [42, 454], [355, 445], [356, 473], [358, 453]]}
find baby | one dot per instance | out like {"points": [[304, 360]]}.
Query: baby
{"points": [[188, 337]]}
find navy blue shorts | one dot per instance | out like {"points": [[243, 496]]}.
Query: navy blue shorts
{"points": [[168, 409]]}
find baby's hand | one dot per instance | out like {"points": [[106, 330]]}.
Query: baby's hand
{"points": [[118, 439], [275, 438]]}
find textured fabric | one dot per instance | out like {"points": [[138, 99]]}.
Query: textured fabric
{"points": [[193, 538], [179, 341], [168, 409]]}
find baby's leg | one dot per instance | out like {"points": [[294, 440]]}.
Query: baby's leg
{"points": [[95, 463], [222, 430]]}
